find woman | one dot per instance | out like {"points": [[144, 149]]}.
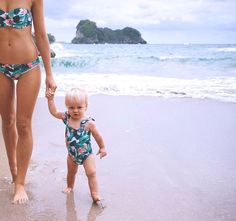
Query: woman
{"points": [[19, 61]]}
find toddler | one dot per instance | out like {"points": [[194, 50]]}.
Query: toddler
{"points": [[78, 130]]}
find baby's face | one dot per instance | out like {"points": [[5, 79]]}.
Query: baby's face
{"points": [[76, 107]]}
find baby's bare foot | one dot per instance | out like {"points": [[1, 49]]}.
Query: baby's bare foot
{"points": [[99, 202], [96, 198], [67, 190], [20, 196]]}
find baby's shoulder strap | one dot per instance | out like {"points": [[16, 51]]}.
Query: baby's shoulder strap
{"points": [[66, 118], [83, 122]]}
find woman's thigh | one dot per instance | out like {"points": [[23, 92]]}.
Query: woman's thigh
{"points": [[7, 98], [27, 92]]}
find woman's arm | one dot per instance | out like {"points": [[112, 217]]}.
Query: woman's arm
{"points": [[42, 42]]}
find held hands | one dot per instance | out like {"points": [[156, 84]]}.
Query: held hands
{"points": [[50, 87], [50, 94], [102, 152]]}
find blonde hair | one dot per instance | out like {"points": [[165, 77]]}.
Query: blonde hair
{"points": [[76, 94]]}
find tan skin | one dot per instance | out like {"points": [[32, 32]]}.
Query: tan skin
{"points": [[18, 100], [76, 108]]}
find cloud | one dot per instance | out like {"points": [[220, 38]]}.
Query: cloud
{"points": [[207, 12], [145, 14]]}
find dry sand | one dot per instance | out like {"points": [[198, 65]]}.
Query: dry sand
{"points": [[167, 160]]}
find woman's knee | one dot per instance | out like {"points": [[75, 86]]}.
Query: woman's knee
{"points": [[8, 120], [23, 127]]}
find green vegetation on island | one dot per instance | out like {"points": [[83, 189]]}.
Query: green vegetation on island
{"points": [[87, 32]]}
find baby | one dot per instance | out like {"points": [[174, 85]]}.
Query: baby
{"points": [[78, 130]]}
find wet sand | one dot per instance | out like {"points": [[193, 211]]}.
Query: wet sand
{"points": [[167, 160]]}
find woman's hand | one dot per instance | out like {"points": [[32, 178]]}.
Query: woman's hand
{"points": [[50, 84]]}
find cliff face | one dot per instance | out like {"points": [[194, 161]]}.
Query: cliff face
{"points": [[87, 32]]}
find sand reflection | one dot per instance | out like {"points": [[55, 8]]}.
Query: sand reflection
{"points": [[71, 212]]}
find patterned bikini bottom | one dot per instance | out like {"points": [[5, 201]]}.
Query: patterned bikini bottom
{"points": [[14, 71]]}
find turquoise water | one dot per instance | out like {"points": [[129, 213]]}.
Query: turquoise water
{"points": [[195, 71]]}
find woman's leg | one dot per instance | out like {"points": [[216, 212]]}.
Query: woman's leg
{"points": [[27, 92], [72, 169], [8, 115], [90, 169]]}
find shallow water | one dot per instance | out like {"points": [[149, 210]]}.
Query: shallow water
{"points": [[170, 71]]}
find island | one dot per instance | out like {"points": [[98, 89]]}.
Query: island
{"points": [[87, 32], [51, 39]]}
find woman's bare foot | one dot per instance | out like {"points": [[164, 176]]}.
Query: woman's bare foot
{"points": [[67, 190], [20, 196]]}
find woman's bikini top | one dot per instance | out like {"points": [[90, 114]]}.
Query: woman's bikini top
{"points": [[16, 18]]}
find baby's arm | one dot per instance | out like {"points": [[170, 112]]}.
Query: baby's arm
{"points": [[98, 138], [52, 107]]}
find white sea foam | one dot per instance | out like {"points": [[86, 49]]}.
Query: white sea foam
{"points": [[195, 71], [61, 51], [219, 88], [225, 49]]}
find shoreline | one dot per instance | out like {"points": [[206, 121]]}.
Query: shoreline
{"points": [[162, 154]]}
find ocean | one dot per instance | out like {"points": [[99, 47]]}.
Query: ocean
{"points": [[203, 71]]}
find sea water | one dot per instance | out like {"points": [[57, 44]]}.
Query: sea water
{"points": [[205, 71]]}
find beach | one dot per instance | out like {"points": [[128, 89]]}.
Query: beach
{"points": [[168, 159]]}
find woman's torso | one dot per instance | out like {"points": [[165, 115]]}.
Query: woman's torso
{"points": [[16, 44]]}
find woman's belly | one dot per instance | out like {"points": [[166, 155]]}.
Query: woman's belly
{"points": [[17, 46]]}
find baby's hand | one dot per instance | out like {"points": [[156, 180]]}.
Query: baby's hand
{"points": [[102, 152]]}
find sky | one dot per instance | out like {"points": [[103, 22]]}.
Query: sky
{"points": [[158, 21]]}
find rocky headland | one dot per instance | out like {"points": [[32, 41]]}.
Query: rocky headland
{"points": [[87, 32]]}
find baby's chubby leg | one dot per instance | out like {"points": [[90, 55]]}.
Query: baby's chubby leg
{"points": [[72, 169], [90, 169]]}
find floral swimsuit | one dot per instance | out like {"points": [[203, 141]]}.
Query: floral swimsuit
{"points": [[78, 140], [14, 71], [17, 18]]}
